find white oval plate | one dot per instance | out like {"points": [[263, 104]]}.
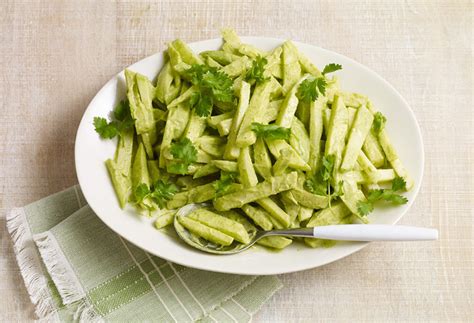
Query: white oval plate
{"points": [[91, 152]]}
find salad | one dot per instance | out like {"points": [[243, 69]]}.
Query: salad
{"points": [[267, 138]]}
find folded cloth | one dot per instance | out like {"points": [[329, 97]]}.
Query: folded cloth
{"points": [[76, 268]]}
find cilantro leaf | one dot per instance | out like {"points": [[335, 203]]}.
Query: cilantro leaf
{"points": [[141, 192], [328, 167], [162, 192], [331, 68], [364, 207], [223, 184], [256, 71], [379, 122], [387, 195], [106, 130], [270, 131], [122, 120], [213, 85], [320, 183], [399, 184], [184, 154], [316, 186], [309, 89]]}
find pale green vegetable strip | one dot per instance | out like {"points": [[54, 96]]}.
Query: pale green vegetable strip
{"points": [[163, 82], [177, 120], [373, 150], [247, 174], [393, 159], [336, 135], [205, 170], [140, 93], [251, 51], [225, 165], [273, 62], [237, 217], [231, 38], [195, 128], [358, 133], [205, 232], [377, 176], [351, 197], [260, 99], [355, 100], [212, 63], [231, 150], [276, 146], [275, 242], [271, 112], [140, 168], [283, 162], [290, 204], [220, 56], [196, 194], [222, 224], [237, 67], [315, 132], [272, 186], [215, 120], [149, 139], [275, 211], [310, 200], [174, 89], [276, 71], [123, 153], [291, 66], [332, 88], [304, 213], [262, 161], [214, 146], [185, 96], [224, 126], [259, 216], [303, 113], [122, 184], [203, 157], [326, 118], [186, 53], [165, 219], [153, 170], [277, 90], [299, 139], [365, 163], [307, 65], [289, 106], [187, 182]]}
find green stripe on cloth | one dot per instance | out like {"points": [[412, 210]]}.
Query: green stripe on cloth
{"points": [[95, 274]]}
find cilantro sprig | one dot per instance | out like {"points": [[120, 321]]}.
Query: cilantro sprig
{"points": [[320, 183], [213, 85], [184, 154], [121, 121], [160, 192], [255, 73], [310, 89], [223, 185], [331, 68], [270, 131], [388, 195]]}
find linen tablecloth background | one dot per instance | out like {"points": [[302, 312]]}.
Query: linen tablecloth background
{"points": [[55, 55]]}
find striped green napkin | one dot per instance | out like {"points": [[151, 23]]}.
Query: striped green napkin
{"points": [[76, 268]]}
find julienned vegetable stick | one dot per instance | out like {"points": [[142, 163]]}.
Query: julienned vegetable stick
{"points": [[224, 127], [276, 146], [358, 133], [247, 174], [299, 139], [373, 150], [289, 105], [304, 214], [273, 62], [163, 82], [206, 232], [140, 93], [309, 200], [393, 159], [187, 55], [290, 204], [237, 67], [291, 66], [352, 196], [272, 186], [271, 112], [177, 120], [315, 132], [231, 150], [220, 56], [251, 51], [276, 242], [259, 216], [337, 130], [165, 219], [275, 211], [194, 195], [259, 100], [140, 168], [195, 128], [262, 162], [205, 170], [220, 223], [215, 120]]}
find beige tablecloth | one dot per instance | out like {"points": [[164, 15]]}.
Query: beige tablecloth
{"points": [[55, 55]]}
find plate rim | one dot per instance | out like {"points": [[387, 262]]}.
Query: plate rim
{"points": [[267, 271]]}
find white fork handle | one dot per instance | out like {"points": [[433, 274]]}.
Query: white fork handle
{"points": [[374, 232]]}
